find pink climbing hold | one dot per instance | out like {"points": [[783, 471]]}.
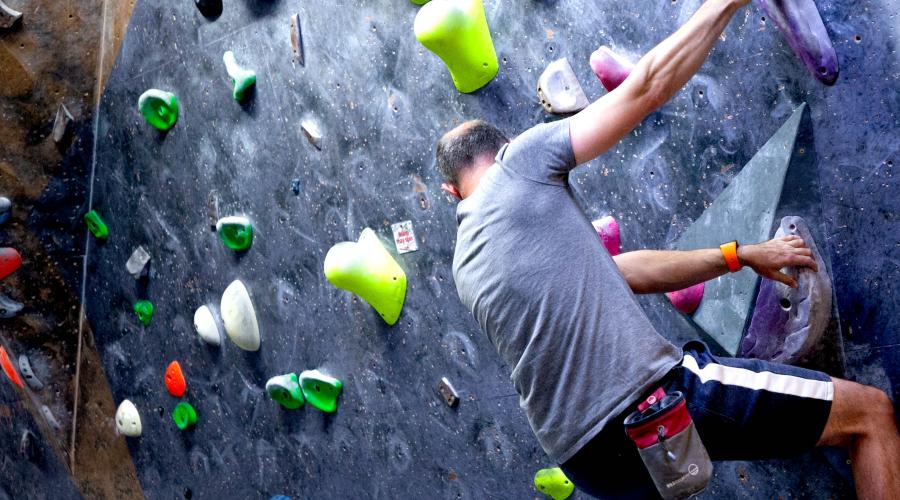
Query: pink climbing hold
{"points": [[608, 231], [610, 68], [687, 300]]}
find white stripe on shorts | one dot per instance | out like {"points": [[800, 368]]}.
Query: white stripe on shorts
{"points": [[767, 381]]}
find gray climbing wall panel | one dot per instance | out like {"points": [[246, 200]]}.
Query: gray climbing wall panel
{"points": [[745, 211], [381, 101]]}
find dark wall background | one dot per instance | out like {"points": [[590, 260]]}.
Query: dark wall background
{"points": [[382, 101]]}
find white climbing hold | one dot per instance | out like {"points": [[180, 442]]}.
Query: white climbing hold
{"points": [[239, 317], [137, 263], [559, 90], [128, 420], [206, 326]]}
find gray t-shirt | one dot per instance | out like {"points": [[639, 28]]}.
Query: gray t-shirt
{"points": [[531, 268]]}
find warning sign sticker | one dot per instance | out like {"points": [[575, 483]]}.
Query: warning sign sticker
{"points": [[404, 237]]}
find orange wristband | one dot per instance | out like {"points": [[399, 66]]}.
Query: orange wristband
{"points": [[729, 251]]}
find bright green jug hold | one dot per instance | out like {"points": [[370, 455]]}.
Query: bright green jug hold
{"points": [[458, 33], [235, 232], [184, 415], [286, 390], [321, 390], [241, 78], [553, 483], [160, 108], [96, 225], [144, 311], [367, 269]]}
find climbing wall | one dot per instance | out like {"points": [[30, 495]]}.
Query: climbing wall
{"points": [[381, 101]]}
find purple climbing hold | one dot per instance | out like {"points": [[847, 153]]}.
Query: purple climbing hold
{"points": [[800, 23], [788, 322], [610, 68], [608, 230], [688, 299]]}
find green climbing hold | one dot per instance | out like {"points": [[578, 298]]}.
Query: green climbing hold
{"points": [[236, 232], [160, 108], [144, 311], [367, 269], [419, 2], [96, 225], [321, 390], [286, 390], [553, 483], [457, 31], [241, 78], [184, 415]]}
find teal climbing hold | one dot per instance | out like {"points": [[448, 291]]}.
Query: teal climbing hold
{"points": [[160, 108], [96, 225], [553, 483], [235, 232], [744, 211], [184, 415], [144, 311], [457, 31], [286, 390], [321, 390], [242, 79], [367, 269]]}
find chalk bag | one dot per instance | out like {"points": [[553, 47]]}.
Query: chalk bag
{"points": [[669, 445]]}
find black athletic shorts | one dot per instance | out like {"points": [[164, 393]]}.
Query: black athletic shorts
{"points": [[744, 409]]}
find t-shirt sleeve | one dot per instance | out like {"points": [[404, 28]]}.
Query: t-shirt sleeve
{"points": [[542, 153]]}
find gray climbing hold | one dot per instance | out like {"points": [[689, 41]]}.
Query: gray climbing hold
{"points": [[62, 124], [312, 131], [212, 210], [9, 307], [26, 371], [48, 416], [8, 16], [559, 90], [745, 211], [5, 209], [28, 446], [297, 40], [446, 390], [137, 263]]}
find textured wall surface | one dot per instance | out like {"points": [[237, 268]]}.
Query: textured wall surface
{"points": [[49, 58], [382, 101]]}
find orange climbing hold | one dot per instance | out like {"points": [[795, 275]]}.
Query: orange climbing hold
{"points": [[175, 382], [10, 261], [9, 369]]}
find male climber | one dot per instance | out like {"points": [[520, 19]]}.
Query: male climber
{"points": [[562, 312]]}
